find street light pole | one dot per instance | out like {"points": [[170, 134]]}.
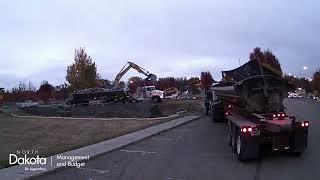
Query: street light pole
{"points": [[304, 75]]}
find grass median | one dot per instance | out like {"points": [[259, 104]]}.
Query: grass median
{"points": [[53, 136]]}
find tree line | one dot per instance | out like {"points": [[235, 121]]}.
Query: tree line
{"points": [[83, 74], [310, 86], [27, 91]]}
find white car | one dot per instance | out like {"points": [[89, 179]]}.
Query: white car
{"points": [[26, 104], [294, 95]]}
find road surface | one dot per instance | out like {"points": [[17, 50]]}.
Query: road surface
{"points": [[199, 150]]}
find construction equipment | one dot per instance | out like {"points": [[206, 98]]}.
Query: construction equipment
{"points": [[171, 92], [149, 93], [126, 68], [146, 92], [250, 100], [93, 95]]}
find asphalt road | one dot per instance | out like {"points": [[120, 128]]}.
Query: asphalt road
{"points": [[199, 150]]}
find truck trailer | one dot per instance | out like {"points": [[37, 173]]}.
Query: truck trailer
{"points": [[250, 99]]}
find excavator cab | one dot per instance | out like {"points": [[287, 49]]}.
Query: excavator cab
{"points": [[152, 78]]}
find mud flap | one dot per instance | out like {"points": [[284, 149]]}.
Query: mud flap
{"points": [[281, 143], [299, 141], [250, 146]]}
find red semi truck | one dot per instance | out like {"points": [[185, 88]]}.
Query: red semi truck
{"points": [[250, 99]]}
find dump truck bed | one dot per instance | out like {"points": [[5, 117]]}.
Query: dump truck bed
{"points": [[253, 89]]}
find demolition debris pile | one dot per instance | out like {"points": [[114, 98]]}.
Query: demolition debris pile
{"points": [[139, 110]]}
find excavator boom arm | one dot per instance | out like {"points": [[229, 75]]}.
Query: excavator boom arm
{"points": [[126, 68]]}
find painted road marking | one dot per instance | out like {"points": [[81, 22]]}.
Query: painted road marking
{"points": [[172, 178], [94, 170], [182, 130], [165, 139], [142, 152], [216, 155]]}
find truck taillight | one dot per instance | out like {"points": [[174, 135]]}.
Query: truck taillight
{"points": [[279, 115], [305, 124], [246, 129], [250, 131]]}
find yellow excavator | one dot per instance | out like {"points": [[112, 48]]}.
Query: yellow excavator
{"points": [[147, 92], [127, 67]]}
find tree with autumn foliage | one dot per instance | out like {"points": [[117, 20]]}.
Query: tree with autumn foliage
{"points": [[104, 83], [316, 82], [135, 82], [83, 72], [165, 83], [45, 91], [206, 80], [193, 83], [295, 81], [267, 58]]}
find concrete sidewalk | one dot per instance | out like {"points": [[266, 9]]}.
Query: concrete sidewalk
{"points": [[19, 172]]}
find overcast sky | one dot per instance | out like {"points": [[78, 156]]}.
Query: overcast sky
{"points": [[167, 37]]}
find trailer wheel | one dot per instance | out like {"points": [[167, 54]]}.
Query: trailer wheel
{"points": [[214, 115], [296, 154], [233, 143], [239, 146], [156, 99], [240, 149], [233, 136], [210, 115], [229, 138], [207, 108]]}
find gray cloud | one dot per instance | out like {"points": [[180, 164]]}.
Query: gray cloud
{"points": [[169, 38]]}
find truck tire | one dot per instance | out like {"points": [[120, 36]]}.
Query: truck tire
{"points": [[296, 154], [207, 108], [229, 136], [240, 148], [156, 99], [244, 151], [214, 117], [233, 136], [219, 106], [210, 113]]}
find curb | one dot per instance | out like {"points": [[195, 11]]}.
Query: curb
{"points": [[19, 172], [176, 115]]}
